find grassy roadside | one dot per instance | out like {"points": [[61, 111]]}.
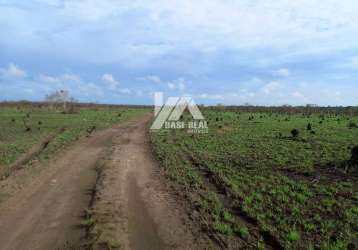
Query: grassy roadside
{"points": [[24, 129]]}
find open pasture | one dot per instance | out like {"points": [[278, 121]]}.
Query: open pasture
{"points": [[271, 180]]}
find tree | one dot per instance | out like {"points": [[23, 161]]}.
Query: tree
{"points": [[59, 97]]}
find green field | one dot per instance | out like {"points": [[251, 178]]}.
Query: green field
{"points": [[24, 127], [251, 185]]}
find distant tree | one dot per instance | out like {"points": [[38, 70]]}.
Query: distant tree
{"points": [[59, 97], [311, 105]]}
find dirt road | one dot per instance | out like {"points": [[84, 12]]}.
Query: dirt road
{"points": [[47, 212], [132, 198]]}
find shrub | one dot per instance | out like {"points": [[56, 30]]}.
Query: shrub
{"points": [[243, 232], [309, 126], [27, 127], [354, 156], [293, 236], [222, 228], [91, 129], [295, 133], [352, 125]]}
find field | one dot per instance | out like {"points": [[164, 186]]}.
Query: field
{"points": [[257, 180], [253, 183], [32, 133]]}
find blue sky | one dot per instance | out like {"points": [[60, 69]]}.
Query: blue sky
{"points": [[218, 51]]}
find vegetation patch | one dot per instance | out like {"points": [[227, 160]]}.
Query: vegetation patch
{"points": [[277, 180], [31, 133]]}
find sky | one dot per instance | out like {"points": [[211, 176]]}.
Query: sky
{"points": [[262, 52]]}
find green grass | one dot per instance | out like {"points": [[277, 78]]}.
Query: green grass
{"points": [[253, 171], [16, 141]]}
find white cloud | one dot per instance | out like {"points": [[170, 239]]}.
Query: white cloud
{"points": [[297, 94], [282, 72], [49, 79], [61, 80], [29, 91], [113, 84], [92, 10], [71, 77], [271, 87], [12, 71], [171, 85], [179, 84], [109, 79], [241, 23], [206, 96], [72, 83], [160, 27], [151, 78], [125, 91], [89, 89]]}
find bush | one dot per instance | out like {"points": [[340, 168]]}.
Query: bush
{"points": [[295, 133], [293, 236], [352, 125], [243, 232], [354, 152], [309, 126]]}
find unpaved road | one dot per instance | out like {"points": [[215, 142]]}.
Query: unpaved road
{"points": [[47, 212], [132, 198]]}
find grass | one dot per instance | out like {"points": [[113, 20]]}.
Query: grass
{"points": [[24, 127], [249, 171]]}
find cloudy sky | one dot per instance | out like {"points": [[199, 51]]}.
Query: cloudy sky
{"points": [[264, 52]]}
